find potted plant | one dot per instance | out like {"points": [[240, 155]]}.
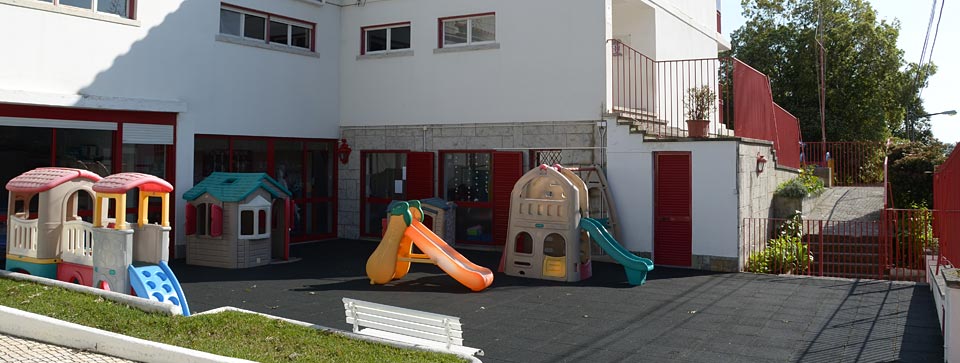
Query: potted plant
{"points": [[700, 104]]}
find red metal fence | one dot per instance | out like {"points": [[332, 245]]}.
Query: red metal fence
{"points": [[891, 248], [653, 93], [946, 197], [853, 163]]}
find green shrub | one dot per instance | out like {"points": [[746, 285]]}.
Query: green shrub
{"points": [[784, 254], [801, 186]]}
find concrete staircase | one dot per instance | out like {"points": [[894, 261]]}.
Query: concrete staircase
{"points": [[652, 127]]}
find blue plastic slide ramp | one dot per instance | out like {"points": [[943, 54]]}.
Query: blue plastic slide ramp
{"points": [[635, 266], [158, 283]]}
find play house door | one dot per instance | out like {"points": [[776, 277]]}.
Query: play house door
{"points": [[672, 226]]}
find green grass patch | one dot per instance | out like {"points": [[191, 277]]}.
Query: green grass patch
{"points": [[233, 334]]}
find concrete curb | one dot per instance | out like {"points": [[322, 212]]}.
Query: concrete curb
{"points": [[351, 335], [48, 330], [129, 300]]}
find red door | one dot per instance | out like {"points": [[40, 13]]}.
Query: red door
{"points": [[672, 236]]}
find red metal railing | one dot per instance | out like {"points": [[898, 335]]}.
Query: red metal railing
{"points": [[893, 248], [654, 94], [946, 198], [853, 163]]}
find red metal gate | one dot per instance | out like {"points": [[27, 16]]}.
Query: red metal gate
{"points": [[672, 229]]}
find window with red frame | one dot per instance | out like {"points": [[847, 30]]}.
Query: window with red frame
{"points": [[385, 38], [260, 26], [121, 8], [468, 30]]}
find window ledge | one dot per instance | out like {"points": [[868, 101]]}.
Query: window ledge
{"points": [[466, 48], [66, 10], [390, 54], [319, 3], [262, 45]]}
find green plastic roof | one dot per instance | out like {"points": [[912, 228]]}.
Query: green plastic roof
{"points": [[235, 187]]}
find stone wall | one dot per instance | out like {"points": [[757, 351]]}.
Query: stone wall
{"points": [[756, 190], [521, 136]]}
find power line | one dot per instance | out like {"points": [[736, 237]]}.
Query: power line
{"points": [[934, 44]]}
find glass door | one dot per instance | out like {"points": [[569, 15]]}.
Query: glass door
{"points": [[382, 179]]}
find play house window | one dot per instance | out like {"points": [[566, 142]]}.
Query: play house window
{"points": [[204, 219], [255, 219], [554, 245], [524, 243]]}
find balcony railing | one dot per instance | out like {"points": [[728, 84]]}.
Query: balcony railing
{"points": [[653, 94]]}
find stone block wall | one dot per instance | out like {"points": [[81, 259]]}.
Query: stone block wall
{"points": [[756, 190], [566, 136]]}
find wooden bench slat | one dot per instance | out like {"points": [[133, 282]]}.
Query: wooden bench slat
{"points": [[404, 331], [395, 309], [408, 325], [453, 323]]}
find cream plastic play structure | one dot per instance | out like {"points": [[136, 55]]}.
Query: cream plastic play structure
{"points": [[50, 239], [550, 230], [392, 258]]}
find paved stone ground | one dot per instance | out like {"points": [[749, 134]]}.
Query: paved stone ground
{"points": [[13, 349], [848, 204], [679, 315]]}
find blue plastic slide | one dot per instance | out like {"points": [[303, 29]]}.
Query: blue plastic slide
{"points": [[635, 266], [157, 282]]}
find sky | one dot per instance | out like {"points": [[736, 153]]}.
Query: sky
{"points": [[942, 93]]}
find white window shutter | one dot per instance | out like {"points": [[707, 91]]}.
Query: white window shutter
{"points": [[147, 134]]}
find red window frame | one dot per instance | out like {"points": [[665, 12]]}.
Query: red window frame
{"points": [[332, 199], [363, 33], [489, 204], [268, 16], [441, 20]]}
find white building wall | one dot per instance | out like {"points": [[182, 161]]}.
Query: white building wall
{"points": [[549, 65], [630, 173], [172, 54]]}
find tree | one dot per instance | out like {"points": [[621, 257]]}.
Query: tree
{"points": [[910, 169], [870, 88]]}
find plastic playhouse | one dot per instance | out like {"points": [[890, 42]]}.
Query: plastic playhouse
{"points": [[237, 220], [393, 256], [49, 237], [550, 230]]}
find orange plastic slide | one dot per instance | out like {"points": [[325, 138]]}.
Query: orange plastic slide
{"points": [[469, 274]]}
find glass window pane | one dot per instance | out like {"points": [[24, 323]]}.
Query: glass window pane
{"points": [[254, 26], [86, 4], [288, 162], [246, 223], [467, 177], [249, 156], [374, 215], [209, 155], [23, 149], [319, 173], [455, 31], [400, 38], [383, 170], [474, 225], [116, 7], [300, 37], [484, 29], [230, 22], [85, 149], [318, 218], [278, 32], [376, 40], [147, 159]]}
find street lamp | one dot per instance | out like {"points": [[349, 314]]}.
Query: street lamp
{"points": [[910, 130]]}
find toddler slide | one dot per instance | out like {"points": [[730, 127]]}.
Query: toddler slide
{"points": [[157, 282], [635, 266]]}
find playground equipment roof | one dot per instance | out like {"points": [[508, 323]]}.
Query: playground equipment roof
{"points": [[123, 182], [235, 187], [43, 179]]}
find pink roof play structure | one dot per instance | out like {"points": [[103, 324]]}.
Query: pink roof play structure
{"points": [[44, 179], [123, 182]]}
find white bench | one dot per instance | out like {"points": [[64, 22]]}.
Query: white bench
{"points": [[436, 331]]}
